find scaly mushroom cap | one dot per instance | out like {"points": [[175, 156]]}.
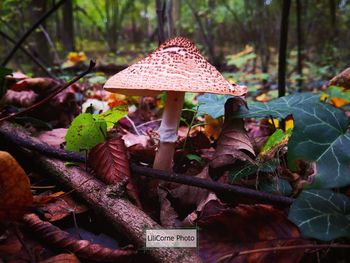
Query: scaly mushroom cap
{"points": [[176, 65]]}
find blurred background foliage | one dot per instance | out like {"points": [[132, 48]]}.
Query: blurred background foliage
{"points": [[240, 37]]}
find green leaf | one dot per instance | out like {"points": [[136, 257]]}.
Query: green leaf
{"points": [[194, 157], [112, 116], [85, 132], [247, 169], [212, 104], [338, 92], [320, 135], [321, 214], [279, 108], [277, 137], [276, 186]]}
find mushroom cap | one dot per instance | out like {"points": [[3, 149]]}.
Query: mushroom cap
{"points": [[176, 65]]}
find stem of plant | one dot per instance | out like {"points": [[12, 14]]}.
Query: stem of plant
{"points": [[168, 131]]}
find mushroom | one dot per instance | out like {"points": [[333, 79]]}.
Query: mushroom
{"points": [[175, 67]]}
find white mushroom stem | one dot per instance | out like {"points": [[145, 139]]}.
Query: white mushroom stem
{"points": [[168, 130]]}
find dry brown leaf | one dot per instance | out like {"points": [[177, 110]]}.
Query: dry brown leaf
{"points": [[61, 258], [110, 162], [38, 85], [61, 208], [19, 98], [342, 79], [16, 196], [234, 142], [185, 197], [82, 248], [9, 244], [44, 199], [227, 231], [54, 137]]}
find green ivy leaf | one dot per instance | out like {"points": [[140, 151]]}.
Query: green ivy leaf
{"points": [[320, 135], [276, 186], [247, 169], [321, 214], [85, 132], [279, 108], [212, 104], [112, 116]]}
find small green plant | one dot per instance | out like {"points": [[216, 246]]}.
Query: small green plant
{"points": [[87, 130]]}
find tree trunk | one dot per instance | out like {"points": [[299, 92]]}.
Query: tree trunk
{"points": [[68, 26], [40, 44], [282, 56], [299, 45]]}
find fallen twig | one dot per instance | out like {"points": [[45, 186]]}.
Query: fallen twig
{"points": [[122, 214], [30, 30], [22, 139], [53, 94]]}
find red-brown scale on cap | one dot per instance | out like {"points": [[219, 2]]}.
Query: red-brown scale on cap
{"points": [[176, 65]]}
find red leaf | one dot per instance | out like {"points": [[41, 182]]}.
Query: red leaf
{"points": [[111, 164]]}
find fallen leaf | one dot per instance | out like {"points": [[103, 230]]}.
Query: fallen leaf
{"points": [[16, 196], [44, 199], [55, 137], [60, 208], [178, 201], [21, 99], [227, 231], [61, 258], [234, 142], [342, 79], [9, 243], [111, 164], [83, 248], [38, 85]]}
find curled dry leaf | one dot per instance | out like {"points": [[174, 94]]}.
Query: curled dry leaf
{"points": [[342, 79], [38, 85], [55, 137], [82, 248], [9, 245], [228, 231], [61, 208], [61, 258], [140, 147], [234, 142], [110, 162], [185, 197], [16, 196], [22, 99]]}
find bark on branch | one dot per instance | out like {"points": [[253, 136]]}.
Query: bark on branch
{"points": [[105, 200], [22, 139]]}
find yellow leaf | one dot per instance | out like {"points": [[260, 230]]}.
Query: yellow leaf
{"points": [[338, 102], [213, 127]]}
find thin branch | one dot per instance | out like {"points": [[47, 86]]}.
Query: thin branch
{"points": [[30, 30], [53, 94], [30, 55], [12, 135], [49, 40]]}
